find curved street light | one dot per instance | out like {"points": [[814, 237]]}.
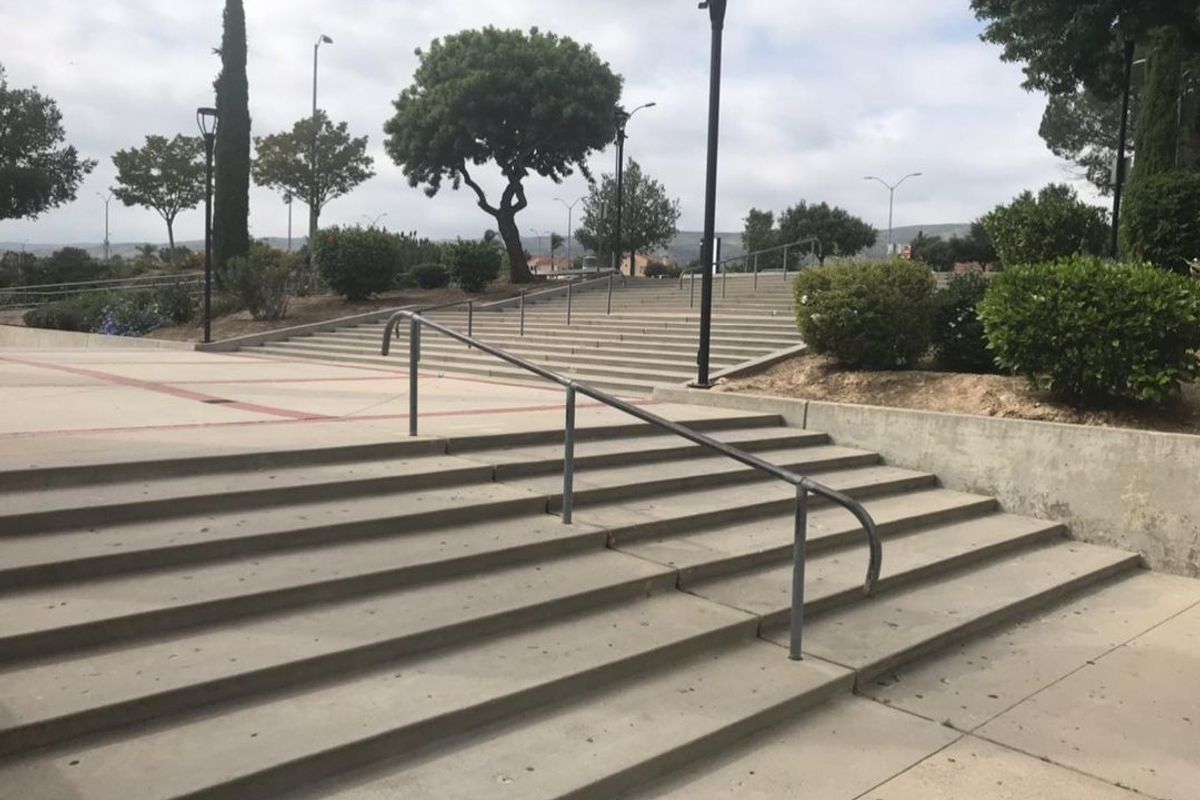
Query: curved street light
{"points": [[892, 187], [623, 118], [570, 211]]}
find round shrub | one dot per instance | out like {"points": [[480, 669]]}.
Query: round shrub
{"points": [[357, 262], [430, 276], [1091, 331], [958, 338], [867, 316], [83, 313], [132, 315], [177, 302], [1053, 224], [261, 281], [1161, 220], [473, 265]]}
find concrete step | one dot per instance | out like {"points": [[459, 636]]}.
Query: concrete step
{"points": [[835, 577], [280, 744], [926, 617], [132, 682], [617, 740]]}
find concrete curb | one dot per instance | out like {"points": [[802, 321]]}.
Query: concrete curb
{"points": [[21, 338], [1131, 489], [759, 364]]}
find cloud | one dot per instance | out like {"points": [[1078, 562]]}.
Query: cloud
{"points": [[812, 101]]}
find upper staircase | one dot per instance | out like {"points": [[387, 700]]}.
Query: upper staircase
{"points": [[412, 620], [649, 337]]}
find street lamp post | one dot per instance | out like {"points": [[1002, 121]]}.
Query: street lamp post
{"points": [[538, 234], [623, 118], [570, 211], [373, 222], [892, 187], [716, 13], [207, 120], [107, 198], [287, 198], [312, 205]]}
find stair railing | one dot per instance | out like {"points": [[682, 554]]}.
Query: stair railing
{"points": [[804, 486], [749, 259], [570, 287]]}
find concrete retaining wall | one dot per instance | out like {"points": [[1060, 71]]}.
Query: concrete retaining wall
{"points": [[1132, 489], [17, 337]]}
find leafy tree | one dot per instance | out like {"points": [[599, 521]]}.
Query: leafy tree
{"points": [[1051, 225], [231, 176], [473, 265], [556, 244], [36, 172], [1066, 44], [1081, 126], [934, 251], [166, 175], [942, 254], [1161, 222], [649, 218], [759, 234], [1158, 123], [840, 232], [285, 162], [526, 102]]}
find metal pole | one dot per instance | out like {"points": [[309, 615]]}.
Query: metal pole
{"points": [[617, 249], [522, 313], [610, 288], [289, 204], [568, 501], [891, 210], [208, 178], [570, 286], [756, 272], [1130, 47], [312, 204], [414, 361], [692, 302], [471, 318], [716, 11], [785, 262], [799, 555]]}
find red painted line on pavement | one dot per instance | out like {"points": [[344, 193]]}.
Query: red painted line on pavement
{"points": [[171, 391]]}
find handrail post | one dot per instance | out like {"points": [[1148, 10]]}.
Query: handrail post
{"points": [[756, 272], [471, 318], [569, 295], [785, 262], [610, 288], [692, 304], [724, 279], [799, 554], [414, 360], [568, 499], [522, 313]]}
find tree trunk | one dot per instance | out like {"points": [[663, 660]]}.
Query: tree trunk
{"points": [[518, 266], [171, 237]]}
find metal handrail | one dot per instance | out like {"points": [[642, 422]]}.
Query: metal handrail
{"points": [[803, 484], [746, 258]]}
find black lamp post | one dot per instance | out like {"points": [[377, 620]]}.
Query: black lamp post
{"points": [[206, 120], [716, 11], [623, 118], [1130, 47]]}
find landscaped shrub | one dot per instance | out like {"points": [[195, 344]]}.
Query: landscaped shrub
{"points": [[83, 313], [357, 262], [260, 280], [132, 315], [958, 339], [1090, 331], [1161, 220], [657, 270], [868, 316], [1054, 224], [473, 265], [430, 276], [178, 302]]}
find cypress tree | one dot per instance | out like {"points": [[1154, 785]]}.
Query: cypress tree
{"points": [[1157, 134], [231, 182]]}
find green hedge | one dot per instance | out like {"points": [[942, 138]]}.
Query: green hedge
{"points": [[1161, 220], [358, 262], [868, 316], [473, 265], [261, 280], [1091, 331], [958, 337], [429, 276]]}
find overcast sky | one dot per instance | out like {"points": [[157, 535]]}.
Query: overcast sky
{"points": [[816, 95]]}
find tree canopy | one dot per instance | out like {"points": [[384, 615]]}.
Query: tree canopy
{"points": [[37, 173], [285, 162], [166, 175], [1065, 44], [527, 103], [231, 177], [839, 232], [649, 217], [1051, 225], [942, 254]]}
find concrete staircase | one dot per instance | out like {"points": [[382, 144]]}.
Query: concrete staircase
{"points": [[410, 619], [649, 337]]}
